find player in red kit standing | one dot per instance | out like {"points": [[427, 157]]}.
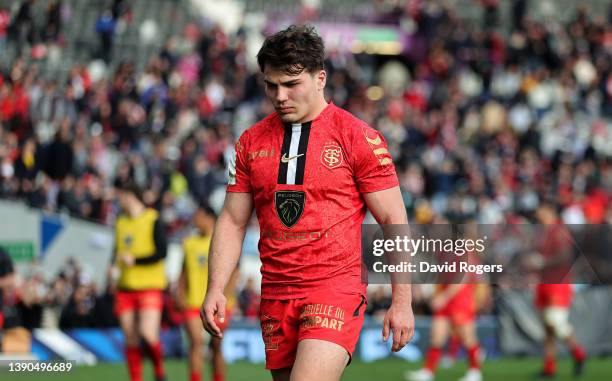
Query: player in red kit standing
{"points": [[553, 298], [454, 307], [310, 170]]}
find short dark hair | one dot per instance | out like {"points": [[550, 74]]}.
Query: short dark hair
{"points": [[293, 50], [131, 187]]}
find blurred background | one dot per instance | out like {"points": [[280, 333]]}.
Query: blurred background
{"points": [[489, 107]]}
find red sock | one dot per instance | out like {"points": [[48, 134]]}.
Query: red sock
{"points": [[474, 357], [156, 354], [550, 365], [578, 353], [134, 363], [453, 347], [218, 377], [195, 376], [432, 358]]}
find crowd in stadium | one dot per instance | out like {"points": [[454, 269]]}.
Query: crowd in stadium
{"points": [[486, 127], [73, 300]]}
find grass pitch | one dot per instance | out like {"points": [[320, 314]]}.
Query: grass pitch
{"points": [[599, 369]]}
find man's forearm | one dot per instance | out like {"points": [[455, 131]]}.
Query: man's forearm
{"points": [[224, 253], [401, 294]]}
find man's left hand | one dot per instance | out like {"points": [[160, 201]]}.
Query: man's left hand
{"points": [[399, 320]]}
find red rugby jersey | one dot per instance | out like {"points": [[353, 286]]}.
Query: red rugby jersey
{"points": [[306, 181]]}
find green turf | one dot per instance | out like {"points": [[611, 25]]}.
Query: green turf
{"points": [[392, 370]]}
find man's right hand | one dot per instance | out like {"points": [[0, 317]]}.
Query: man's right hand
{"points": [[213, 308]]}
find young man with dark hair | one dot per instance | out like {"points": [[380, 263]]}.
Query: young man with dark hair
{"points": [[140, 249], [310, 170]]}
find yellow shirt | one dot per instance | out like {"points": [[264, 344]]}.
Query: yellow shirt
{"points": [[196, 248], [195, 265], [135, 236]]}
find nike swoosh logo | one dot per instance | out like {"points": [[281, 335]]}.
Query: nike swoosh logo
{"points": [[374, 141], [286, 159]]}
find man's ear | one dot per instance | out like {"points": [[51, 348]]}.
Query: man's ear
{"points": [[321, 80]]}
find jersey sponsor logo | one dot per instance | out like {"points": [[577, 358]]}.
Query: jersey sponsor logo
{"points": [[286, 159], [322, 316], [128, 239], [261, 153], [331, 155], [280, 235], [289, 206]]}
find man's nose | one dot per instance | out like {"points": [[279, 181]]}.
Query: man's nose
{"points": [[282, 94]]}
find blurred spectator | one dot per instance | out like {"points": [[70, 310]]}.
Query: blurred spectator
{"points": [[28, 163], [59, 155], [22, 27], [379, 302], [60, 291], [248, 300], [104, 310], [53, 21], [105, 27], [78, 313], [5, 22], [31, 300]]}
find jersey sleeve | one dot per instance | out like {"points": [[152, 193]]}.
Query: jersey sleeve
{"points": [[238, 167], [372, 163]]}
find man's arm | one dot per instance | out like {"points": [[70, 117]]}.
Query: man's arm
{"points": [[224, 254], [179, 289], [387, 207], [161, 245]]}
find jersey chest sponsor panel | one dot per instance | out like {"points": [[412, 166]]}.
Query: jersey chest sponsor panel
{"points": [[304, 180]]}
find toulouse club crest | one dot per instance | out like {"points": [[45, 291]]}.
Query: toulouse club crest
{"points": [[331, 156], [289, 206]]}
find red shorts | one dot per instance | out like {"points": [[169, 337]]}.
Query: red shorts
{"points": [[1, 320], [126, 301], [194, 313], [457, 314], [461, 308], [332, 316], [553, 295]]}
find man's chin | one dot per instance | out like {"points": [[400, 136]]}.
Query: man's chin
{"points": [[288, 118]]}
